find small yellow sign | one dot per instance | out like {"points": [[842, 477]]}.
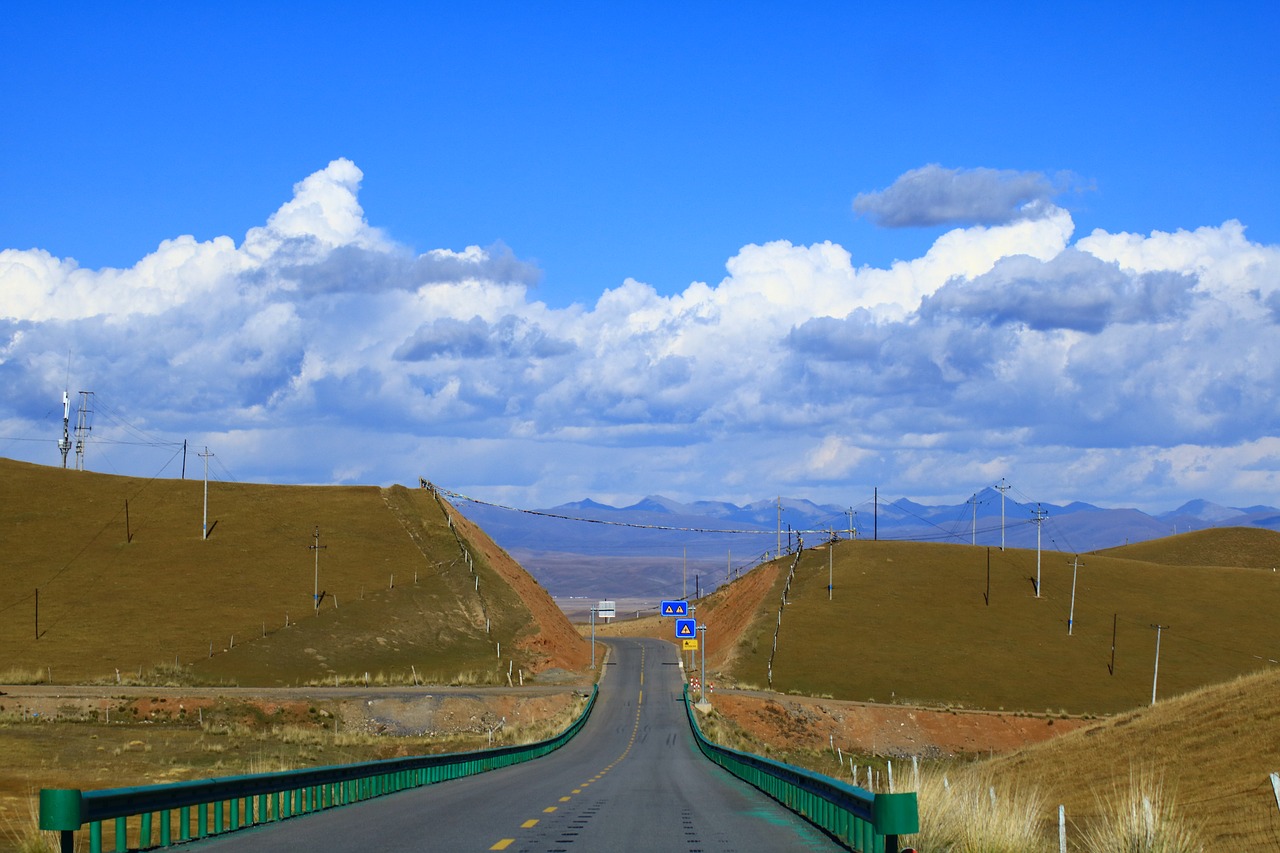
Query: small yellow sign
{"points": [[690, 645]]}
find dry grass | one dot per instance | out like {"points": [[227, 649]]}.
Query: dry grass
{"points": [[910, 622], [22, 833], [149, 601], [1218, 745], [24, 675], [978, 813], [1144, 818]]}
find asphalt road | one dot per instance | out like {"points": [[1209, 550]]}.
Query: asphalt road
{"points": [[631, 780]]}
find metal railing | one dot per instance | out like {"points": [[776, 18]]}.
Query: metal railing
{"points": [[207, 807], [859, 819]]}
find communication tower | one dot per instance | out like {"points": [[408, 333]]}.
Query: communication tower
{"points": [[64, 443]]}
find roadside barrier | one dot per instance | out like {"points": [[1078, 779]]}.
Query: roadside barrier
{"points": [[207, 807], [862, 821]]}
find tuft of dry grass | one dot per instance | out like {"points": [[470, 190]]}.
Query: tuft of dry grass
{"points": [[1143, 818], [23, 834], [976, 813]]}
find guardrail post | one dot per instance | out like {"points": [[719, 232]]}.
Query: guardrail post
{"points": [[60, 811], [894, 815]]}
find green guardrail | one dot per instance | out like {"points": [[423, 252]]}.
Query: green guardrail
{"points": [[859, 819], [206, 807]]}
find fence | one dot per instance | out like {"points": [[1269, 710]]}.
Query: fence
{"points": [[213, 806], [861, 820]]}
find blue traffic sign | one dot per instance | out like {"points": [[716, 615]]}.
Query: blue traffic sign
{"points": [[674, 608], [686, 629]]}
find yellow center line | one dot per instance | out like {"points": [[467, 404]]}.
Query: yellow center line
{"points": [[504, 843]]}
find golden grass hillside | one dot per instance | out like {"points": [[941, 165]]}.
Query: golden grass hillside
{"points": [[1210, 751], [1248, 547], [128, 591], [915, 622]]}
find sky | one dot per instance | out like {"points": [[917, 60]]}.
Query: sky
{"points": [[536, 255]]}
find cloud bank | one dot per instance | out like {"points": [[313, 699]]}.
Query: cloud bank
{"points": [[1121, 368]]}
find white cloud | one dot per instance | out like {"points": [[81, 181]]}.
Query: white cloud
{"points": [[1120, 367]]}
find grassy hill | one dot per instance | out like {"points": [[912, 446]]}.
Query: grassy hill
{"points": [[1211, 751], [1249, 547], [915, 623], [127, 585]]}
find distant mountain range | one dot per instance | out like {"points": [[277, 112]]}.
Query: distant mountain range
{"points": [[654, 546]]}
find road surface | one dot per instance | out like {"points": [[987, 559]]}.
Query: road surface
{"points": [[631, 780]]}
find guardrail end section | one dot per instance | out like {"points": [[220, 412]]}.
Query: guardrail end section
{"points": [[895, 814], [60, 809]]}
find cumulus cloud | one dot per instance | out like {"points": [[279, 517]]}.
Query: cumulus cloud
{"points": [[1113, 366], [933, 195]]}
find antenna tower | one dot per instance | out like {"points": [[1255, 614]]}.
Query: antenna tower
{"points": [[84, 425], [64, 443]]}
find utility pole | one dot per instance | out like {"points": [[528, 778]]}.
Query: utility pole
{"points": [[1071, 617], [1003, 487], [974, 500], [593, 638], [205, 529], [1038, 516], [831, 561], [1156, 674], [684, 578], [316, 547], [779, 525]]}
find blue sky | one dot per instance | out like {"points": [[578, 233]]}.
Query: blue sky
{"points": [[1080, 202]]}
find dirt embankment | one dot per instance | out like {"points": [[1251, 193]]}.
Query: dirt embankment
{"points": [[552, 639], [398, 712], [795, 722]]}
